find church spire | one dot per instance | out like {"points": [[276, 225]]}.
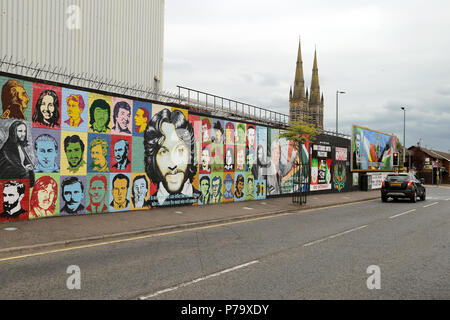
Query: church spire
{"points": [[299, 84], [315, 88]]}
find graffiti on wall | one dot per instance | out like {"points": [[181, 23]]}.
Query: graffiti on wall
{"points": [[70, 151]]}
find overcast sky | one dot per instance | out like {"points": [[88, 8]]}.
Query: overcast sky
{"points": [[384, 54]]}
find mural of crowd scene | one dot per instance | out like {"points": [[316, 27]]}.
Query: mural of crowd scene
{"points": [[97, 195], [46, 147], [74, 153], [16, 151], [72, 195], [44, 198], [99, 113], [321, 167], [142, 112], [46, 106], [280, 164], [98, 155], [121, 153], [16, 98], [14, 199], [74, 110]]}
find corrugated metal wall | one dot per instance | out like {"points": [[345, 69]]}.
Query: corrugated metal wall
{"points": [[119, 40]]}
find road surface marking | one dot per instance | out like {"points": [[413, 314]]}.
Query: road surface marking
{"points": [[135, 238], [429, 205], [333, 236], [247, 208], [400, 214], [185, 284]]}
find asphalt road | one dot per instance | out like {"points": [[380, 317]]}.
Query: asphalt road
{"points": [[317, 254]]}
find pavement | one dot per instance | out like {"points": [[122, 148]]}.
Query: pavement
{"points": [[60, 232]]}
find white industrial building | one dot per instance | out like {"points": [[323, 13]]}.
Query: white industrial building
{"points": [[114, 40]]}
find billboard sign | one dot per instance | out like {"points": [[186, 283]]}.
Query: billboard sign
{"points": [[372, 150]]}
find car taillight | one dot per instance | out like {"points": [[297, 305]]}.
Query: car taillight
{"points": [[410, 183], [382, 184]]}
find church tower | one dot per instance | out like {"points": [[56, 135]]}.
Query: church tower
{"points": [[309, 106]]}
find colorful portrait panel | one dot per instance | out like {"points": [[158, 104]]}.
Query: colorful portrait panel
{"points": [[121, 152], [74, 110], [142, 113], [121, 116], [14, 199], [74, 153], [97, 195], [47, 148], [119, 196], [46, 106], [16, 98], [44, 198], [98, 154], [72, 195], [100, 108], [140, 190]]}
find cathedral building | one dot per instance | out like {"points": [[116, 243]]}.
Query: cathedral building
{"points": [[304, 105]]}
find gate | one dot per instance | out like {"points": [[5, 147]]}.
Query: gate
{"points": [[300, 182]]}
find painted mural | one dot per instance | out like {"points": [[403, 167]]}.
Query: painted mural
{"points": [[70, 151]]}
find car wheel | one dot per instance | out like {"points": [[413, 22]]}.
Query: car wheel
{"points": [[384, 199], [414, 197], [423, 196]]}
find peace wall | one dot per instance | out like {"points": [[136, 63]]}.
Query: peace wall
{"points": [[69, 151]]}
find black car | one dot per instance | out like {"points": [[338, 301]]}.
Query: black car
{"points": [[403, 185]]}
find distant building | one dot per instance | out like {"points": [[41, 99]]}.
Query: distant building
{"points": [[303, 105]]}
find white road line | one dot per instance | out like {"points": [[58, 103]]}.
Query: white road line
{"points": [[400, 214], [429, 205], [198, 280], [333, 236]]}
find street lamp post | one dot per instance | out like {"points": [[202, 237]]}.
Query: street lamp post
{"points": [[337, 93], [404, 137]]}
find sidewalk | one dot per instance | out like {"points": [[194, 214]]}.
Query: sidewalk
{"points": [[59, 232]]}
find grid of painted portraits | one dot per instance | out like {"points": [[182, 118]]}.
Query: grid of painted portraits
{"points": [[79, 152]]}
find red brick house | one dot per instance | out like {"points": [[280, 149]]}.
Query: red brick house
{"points": [[436, 166]]}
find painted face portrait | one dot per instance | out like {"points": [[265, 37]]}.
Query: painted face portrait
{"points": [[21, 132], [14, 100], [172, 158], [97, 191], [74, 153], [216, 186], [141, 119], [120, 190], [75, 106], [250, 160], [13, 193], [140, 189], [98, 154], [46, 150], [99, 116], [46, 111], [205, 132], [46, 197], [240, 159], [120, 151], [229, 157], [206, 159], [251, 137], [72, 194], [204, 186]]}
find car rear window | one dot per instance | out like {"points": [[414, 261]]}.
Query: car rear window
{"points": [[399, 178]]}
